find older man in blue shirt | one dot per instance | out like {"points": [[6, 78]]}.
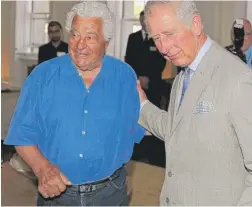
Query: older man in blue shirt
{"points": [[75, 123]]}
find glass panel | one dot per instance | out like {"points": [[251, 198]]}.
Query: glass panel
{"points": [[136, 28], [127, 28], [39, 32], [138, 7], [40, 15], [132, 9], [41, 6], [128, 9], [29, 6]]}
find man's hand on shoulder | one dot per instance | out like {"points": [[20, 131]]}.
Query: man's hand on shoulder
{"points": [[144, 82], [142, 95]]}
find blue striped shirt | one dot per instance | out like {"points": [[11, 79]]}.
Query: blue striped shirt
{"points": [[86, 133]]}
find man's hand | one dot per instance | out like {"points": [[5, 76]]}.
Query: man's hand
{"points": [[142, 95], [144, 82], [52, 182]]}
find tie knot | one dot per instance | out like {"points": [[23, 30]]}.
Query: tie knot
{"points": [[146, 36], [188, 70]]}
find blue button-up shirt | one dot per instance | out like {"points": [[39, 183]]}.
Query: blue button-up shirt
{"points": [[86, 133]]}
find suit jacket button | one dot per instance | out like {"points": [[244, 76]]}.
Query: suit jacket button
{"points": [[170, 174], [167, 200]]}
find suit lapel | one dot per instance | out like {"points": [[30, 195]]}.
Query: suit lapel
{"points": [[178, 90], [200, 80]]}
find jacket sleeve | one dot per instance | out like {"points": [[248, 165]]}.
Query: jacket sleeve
{"points": [[131, 107], [241, 119]]}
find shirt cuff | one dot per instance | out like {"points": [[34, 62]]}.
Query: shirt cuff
{"points": [[143, 103]]}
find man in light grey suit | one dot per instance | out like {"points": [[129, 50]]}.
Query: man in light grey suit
{"points": [[208, 127]]}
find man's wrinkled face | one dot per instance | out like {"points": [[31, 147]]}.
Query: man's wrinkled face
{"points": [[86, 41], [172, 37], [54, 33], [248, 36]]}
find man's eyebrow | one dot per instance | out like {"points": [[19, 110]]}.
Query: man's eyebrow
{"points": [[91, 32], [73, 29], [155, 36]]}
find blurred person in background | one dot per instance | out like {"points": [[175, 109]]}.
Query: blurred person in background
{"points": [[242, 40], [148, 63], [56, 47], [143, 56]]}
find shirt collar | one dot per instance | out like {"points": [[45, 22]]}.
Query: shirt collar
{"points": [[143, 34], [203, 50], [70, 68]]}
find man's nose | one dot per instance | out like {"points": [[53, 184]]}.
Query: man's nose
{"points": [[165, 46], [82, 44]]}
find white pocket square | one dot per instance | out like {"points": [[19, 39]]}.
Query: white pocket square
{"points": [[204, 107]]}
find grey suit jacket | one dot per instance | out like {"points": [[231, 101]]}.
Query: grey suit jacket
{"points": [[208, 138]]}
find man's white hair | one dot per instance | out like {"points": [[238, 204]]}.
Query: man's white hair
{"points": [[185, 10], [93, 9]]}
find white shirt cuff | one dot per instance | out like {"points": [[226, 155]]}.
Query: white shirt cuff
{"points": [[143, 103]]}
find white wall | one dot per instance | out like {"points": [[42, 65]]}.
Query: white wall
{"points": [[249, 11], [218, 17]]}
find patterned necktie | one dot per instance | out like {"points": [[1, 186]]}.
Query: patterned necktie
{"points": [[186, 81]]}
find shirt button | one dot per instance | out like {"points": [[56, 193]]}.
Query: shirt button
{"points": [[88, 91], [81, 155], [86, 111], [170, 174], [83, 132]]}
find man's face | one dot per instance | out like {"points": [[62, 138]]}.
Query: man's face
{"points": [[173, 39], [142, 22], [54, 33], [86, 41], [247, 37]]}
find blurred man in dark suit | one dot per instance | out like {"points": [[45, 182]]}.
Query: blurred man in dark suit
{"points": [[56, 47], [143, 56]]}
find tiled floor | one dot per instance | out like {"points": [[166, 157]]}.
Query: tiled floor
{"points": [[145, 180]]}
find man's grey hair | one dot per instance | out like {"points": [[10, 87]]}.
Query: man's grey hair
{"points": [[93, 9], [185, 10]]}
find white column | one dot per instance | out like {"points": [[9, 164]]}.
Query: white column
{"points": [[249, 10], [118, 33], [8, 10]]}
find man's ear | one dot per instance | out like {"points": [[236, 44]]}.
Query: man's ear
{"points": [[197, 25], [106, 44]]}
